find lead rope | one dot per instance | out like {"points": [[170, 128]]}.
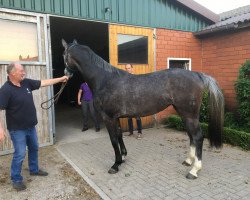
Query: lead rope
{"points": [[55, 98]]}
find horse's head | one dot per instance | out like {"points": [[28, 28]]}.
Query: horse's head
{"points": [[70, 66]]}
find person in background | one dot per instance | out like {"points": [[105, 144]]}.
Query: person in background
{"points": [[16, 98], [85, 99], [129, 69]]}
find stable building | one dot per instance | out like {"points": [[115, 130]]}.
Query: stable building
{"points": [[152, 35]]}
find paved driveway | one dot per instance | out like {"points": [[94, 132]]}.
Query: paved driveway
{"points": [[153, 167]]}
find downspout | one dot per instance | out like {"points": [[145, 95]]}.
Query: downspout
{"points": [[156, 123]]}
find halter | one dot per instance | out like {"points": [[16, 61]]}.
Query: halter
{"points": [[68, 71]]}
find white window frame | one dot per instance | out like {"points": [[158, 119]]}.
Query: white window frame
{"points": [[185, 59], [23, 16]]}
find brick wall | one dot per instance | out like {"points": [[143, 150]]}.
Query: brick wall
{"points": [[219, 56], [222, 55], [176, 44]]}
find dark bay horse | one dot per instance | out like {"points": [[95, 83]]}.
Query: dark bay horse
{"points": [[119, 94]]}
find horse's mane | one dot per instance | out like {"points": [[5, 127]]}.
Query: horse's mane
{"points": [[101, 63]]}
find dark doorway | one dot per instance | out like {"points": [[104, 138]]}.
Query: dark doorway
{"points": [[92, 34]]}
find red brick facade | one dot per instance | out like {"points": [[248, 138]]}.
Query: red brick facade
{"points": [[176, 44], [222, 55], [219, 56]]}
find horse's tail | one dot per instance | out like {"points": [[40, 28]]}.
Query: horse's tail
{"points": [[216, 111]]}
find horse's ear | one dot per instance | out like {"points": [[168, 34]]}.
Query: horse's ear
{"points": [[75, 42], [65, 45]]}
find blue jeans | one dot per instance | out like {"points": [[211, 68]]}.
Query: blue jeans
{"points": [[130, 125], [21, 139], [88, 105]]}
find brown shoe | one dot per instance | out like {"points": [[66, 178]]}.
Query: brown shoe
{"points": [[19, 186], [84, 129], [39, 173]]}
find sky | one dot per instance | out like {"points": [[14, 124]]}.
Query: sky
{"points": [[219, 6]]}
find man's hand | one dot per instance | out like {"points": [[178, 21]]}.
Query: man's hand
{"points": [[53, 81], [65, 79]]}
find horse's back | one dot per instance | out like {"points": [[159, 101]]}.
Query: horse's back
{"points": [[146, 94]]}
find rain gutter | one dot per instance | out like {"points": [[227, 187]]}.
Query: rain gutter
{"points": [[217, 29]]}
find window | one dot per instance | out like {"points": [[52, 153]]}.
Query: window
{"points": [[18, 41], [183, 63], [132, 49]]}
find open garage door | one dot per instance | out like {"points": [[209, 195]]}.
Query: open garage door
{"points": [[68, 115]]}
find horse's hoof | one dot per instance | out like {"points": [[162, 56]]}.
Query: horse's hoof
{"points": [[191, 176], [112, 171], [186, 164], [123, 159]]}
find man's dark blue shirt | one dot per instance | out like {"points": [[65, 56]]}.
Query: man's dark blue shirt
{"points": [[19, 104]]}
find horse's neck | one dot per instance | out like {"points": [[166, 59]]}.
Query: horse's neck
{"points": [[106, 67], [96, 71], [96, 76]]}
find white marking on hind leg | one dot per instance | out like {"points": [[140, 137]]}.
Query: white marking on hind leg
{"points": [[191, 155], [123, 157], [197, 166]]}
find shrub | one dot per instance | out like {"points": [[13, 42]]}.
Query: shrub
{"points": [[230, 121], [237, 138], [231, 136], [242, 88], [204, 108], [174, 121]]}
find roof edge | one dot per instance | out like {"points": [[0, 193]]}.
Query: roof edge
{"points": [[217, 29], [227, 27], [200, 9]]}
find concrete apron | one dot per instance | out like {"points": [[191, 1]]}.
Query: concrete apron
{"points": [[153, 168]]}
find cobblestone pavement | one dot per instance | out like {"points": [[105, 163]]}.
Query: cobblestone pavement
{"points": [[153, 168]]}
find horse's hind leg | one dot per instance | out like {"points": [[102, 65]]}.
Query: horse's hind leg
{"points": [[191, 156], [196, 143]]}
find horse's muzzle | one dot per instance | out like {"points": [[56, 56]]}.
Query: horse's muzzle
{"points": [[68, 73]]}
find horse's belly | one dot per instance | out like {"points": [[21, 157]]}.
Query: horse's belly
{"points": [[153, 108], [138, 107]]}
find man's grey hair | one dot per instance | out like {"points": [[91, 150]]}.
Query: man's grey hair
{"points": [[10, 67]]}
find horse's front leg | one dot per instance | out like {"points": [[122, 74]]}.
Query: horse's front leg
{"points": [[121, 143], [111, 125]]}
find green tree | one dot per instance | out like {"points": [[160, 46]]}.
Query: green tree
{"points": [[242, 88]]}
